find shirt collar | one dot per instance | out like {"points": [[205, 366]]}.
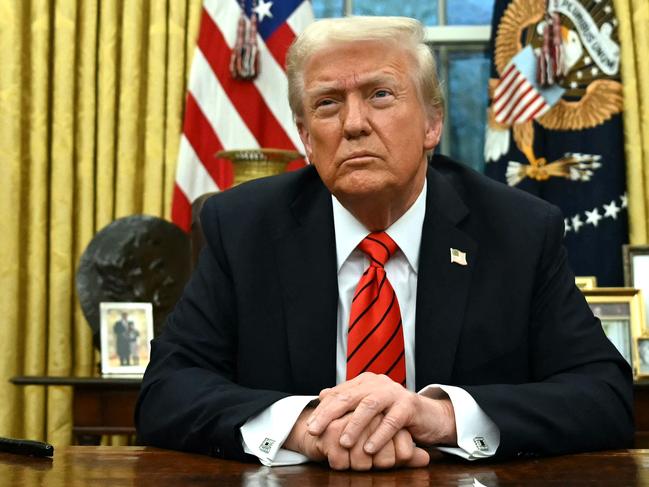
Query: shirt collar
{"points": [[406, 231]]}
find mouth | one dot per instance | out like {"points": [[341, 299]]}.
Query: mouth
{"points": [[359, 158]]}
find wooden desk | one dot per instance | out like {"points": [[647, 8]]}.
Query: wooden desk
{"points": [[101, 405], [137, 466]]}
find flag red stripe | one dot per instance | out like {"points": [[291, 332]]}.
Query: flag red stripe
{"points": [[181, 210], [279, 42], [243, 94], [535, 112], [518, 98], [500, 90], [206, 143], [515, 116], [505, 97], [514, 96]]}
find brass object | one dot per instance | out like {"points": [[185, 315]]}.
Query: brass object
{"points": [[586, 282], [251, 164]]}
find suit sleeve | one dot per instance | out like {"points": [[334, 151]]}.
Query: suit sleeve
{"points": [[579, 397], [189, 399]]}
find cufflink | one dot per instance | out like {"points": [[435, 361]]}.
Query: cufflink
{"points": [[266, 445], [480, 443]]}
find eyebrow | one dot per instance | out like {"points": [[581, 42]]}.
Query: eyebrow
{"points": [[328, 87]]}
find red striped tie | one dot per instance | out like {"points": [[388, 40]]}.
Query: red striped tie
{"points": [[375, 339]]}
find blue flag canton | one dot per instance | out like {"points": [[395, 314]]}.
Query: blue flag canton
{"points": [[271, 15]]}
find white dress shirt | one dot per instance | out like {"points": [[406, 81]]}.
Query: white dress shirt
{"points": [[478, 436]]}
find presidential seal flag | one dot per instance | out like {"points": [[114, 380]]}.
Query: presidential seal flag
{"points": [[554, 125], [237, 93]]}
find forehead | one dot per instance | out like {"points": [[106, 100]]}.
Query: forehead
{"points": [[345, 62]]}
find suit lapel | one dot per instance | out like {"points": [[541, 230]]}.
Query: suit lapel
{"points": [[306, 255], [442, 286]]}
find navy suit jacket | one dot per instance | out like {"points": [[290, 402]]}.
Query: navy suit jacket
{"points": [[257, 321]]}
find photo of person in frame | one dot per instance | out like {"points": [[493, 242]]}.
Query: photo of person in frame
{"points": [[126, 329], [123, 329]]}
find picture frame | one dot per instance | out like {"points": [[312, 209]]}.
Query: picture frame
{"points": [[126, 331], [643, 357], [621, 312], [635, 259], [586, 282]]}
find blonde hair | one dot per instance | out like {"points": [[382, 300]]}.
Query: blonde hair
{"points": [[402, 31]]}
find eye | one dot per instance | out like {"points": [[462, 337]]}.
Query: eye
{"points": [[325, 106], [382, 93], [324, 103]]}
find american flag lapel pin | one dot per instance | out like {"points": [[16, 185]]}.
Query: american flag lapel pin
{"points": [[458, 257]]}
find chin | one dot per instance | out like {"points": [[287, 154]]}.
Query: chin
{"points": [[360, 189]]}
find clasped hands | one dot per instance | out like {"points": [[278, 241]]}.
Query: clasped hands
{"points": [[372, 422]]}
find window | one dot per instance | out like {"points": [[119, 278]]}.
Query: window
{"points": [[458, 32]]}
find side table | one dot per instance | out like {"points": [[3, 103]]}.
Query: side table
{"points": [[101, 405]]}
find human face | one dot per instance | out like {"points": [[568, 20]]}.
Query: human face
{"points": [[364, 126]]}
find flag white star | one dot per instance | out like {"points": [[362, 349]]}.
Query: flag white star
{"points": [[566, 224], [576, 223], [623, 200], [611, 210], [263, 10], [593, 217]]}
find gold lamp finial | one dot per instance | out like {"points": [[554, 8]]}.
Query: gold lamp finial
{"points": [[251, 164]]}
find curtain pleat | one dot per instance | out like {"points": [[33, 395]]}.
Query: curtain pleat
{"points": [[633, 16], [91, 101], [34, 213]]}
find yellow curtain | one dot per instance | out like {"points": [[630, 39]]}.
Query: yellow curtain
{"points": [[91, 101], [633, 17]]}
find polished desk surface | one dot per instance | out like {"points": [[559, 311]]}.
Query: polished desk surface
{"points": [[137, 466]]}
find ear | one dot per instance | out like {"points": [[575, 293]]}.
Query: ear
{"points": [[433, 132], [305, 137]]}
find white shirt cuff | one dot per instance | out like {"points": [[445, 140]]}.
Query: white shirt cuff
{"points": [[264, 434], [477, 435]]}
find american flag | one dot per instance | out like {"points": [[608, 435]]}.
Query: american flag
{"points": [[518, 98], [223, 113]]}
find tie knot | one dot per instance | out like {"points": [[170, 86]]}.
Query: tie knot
{"points": [[379, 247]]}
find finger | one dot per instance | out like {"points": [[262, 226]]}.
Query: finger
{"points": [[420, 458], [334, 405], [395, 419], [329, 444], [348, 396], [386, 456], [368, 409], [338, 458], [404, 447], [358, 459]]}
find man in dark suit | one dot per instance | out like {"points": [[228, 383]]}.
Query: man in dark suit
{"points": [[464, 289], [122, 343]]}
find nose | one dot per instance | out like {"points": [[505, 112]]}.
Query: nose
{"points": [[355, 118]]}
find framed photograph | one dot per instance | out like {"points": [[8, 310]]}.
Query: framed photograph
{"points": [[621, 311], [126, 331], [643, 357], [636, 270], [586, 282]]}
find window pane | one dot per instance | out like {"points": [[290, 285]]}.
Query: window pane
{"points": [[467, 104], [469, 12], [328, 8], [424, 11]]}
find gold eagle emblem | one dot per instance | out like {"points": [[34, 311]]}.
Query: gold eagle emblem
{"points": [[593, 93]]}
